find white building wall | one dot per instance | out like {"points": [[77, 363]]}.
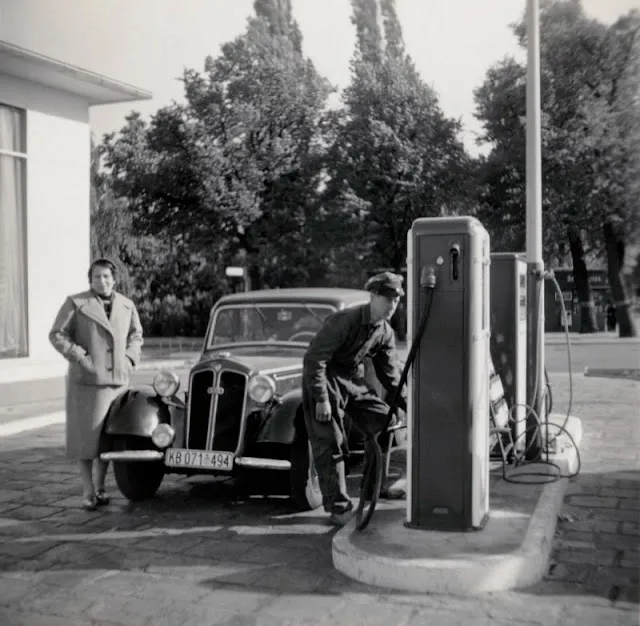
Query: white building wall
{"points": [[58, 192]]}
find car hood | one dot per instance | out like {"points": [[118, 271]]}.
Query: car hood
{"points": [[265, 362]]}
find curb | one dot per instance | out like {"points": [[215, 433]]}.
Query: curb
{"points": [[628, 373], [592, 341], [466, 574], [23, 424]]}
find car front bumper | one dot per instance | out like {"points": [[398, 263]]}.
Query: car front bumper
{"points": [[155, 455]]}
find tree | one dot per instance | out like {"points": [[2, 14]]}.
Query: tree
{"points": [[396, 156], [593, 73], [110, 224], [238, 164], [586, 153]]}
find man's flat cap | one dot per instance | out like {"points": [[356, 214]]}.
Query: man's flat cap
{"points": [[386, 284]]}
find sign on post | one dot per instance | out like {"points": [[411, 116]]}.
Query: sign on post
{"points": [[234, 272]]}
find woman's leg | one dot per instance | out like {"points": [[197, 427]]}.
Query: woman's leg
{"points": [[101, 473], [86, 467]]}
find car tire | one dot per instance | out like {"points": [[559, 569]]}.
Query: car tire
{"points": [[305, 486], [137, 480]]}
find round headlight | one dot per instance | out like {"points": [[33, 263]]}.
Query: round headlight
{"points": [[261, 388], [163, 435], [166, 383]]}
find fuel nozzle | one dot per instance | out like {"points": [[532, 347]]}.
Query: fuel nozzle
{"points": [[428, 277]]}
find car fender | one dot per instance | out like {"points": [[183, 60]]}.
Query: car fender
{"points": [[280, 424], [138, 410]]}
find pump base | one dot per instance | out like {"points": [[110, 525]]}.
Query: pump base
{"points": [[511, 552], [446, 528]]}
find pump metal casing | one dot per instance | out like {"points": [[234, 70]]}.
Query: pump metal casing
{"points": [[509, 334], [448, 403]]}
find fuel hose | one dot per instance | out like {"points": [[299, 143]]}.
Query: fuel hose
{"points": [[373, 470]]}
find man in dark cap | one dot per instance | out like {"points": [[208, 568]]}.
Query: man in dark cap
{"points": [[334, 385]]}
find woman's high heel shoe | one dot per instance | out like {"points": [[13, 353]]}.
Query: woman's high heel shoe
{"points": [[102, 498], [90, 503]]}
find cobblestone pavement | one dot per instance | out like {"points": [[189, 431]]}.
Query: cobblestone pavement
{"points": [[204, 554]]}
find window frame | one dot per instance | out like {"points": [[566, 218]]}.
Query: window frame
{"points": [[23, 157]]}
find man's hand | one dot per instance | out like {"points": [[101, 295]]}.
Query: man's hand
{"points": [[323, 411]]}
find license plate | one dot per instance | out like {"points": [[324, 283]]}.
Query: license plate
{"points": [[181, 457]]}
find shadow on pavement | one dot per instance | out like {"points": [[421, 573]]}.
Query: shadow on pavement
{"points": [[215, 535], [212, 530]]}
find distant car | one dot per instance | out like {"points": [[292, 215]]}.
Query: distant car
{"points": [[242, 413]]}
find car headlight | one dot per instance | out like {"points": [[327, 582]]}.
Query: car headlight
{"points": [[163, 435], [166, 383], [261, 388]]}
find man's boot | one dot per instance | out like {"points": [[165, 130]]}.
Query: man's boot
{"points": [[395, 491]]}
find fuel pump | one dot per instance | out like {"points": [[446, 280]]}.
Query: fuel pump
{"points": [[509, 334], [448, 384]]}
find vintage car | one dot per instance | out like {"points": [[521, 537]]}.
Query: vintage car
{"points": [[242, 412]]}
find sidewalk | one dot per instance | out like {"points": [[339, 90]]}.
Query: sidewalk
{"points": [[598, 538]]}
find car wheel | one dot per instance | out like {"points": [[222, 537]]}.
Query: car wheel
{"points": [[305, 486], [137, 480]]}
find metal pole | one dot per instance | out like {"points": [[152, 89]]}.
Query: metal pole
{"points": [[535, 264]]}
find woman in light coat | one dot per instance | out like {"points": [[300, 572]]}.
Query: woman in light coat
{"points": [[99, 333]]}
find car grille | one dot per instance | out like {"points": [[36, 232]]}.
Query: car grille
{"points": [[200, 403], [216, 406]]}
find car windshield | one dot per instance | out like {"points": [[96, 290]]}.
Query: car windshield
{"points": [[249, 323]]}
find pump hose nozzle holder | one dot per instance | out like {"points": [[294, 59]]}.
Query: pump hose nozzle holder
{"points": [[373, 470]]}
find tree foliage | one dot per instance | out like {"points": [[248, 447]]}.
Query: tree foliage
{"points": [[396, 156], [236, 166], [589, 82]]}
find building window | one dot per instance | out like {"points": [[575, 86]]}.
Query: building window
{"points": [[14, 338]]}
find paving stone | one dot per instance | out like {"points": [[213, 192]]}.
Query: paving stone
{"points": [[18, 485], [207, 573], [68, 603], [625, 493], [14, 590], [29, 618], [6, 507], [593, 501], [14, 551], [11, 495], [133, 594], [630, 503], [580, 615], [371, 613], [631, 560], [171, 544], [622, 515], [566, 571], [73, 555], [589, 525], [587, 557], [239, 552], [28, 512], [630, 528], [69, 518], [622, 542]]}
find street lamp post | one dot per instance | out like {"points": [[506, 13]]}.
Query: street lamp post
{"points": [[535, 263]]}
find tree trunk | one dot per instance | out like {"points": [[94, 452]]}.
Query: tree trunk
{"points": [[254, 277], [588, 323], [614, 245]]}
